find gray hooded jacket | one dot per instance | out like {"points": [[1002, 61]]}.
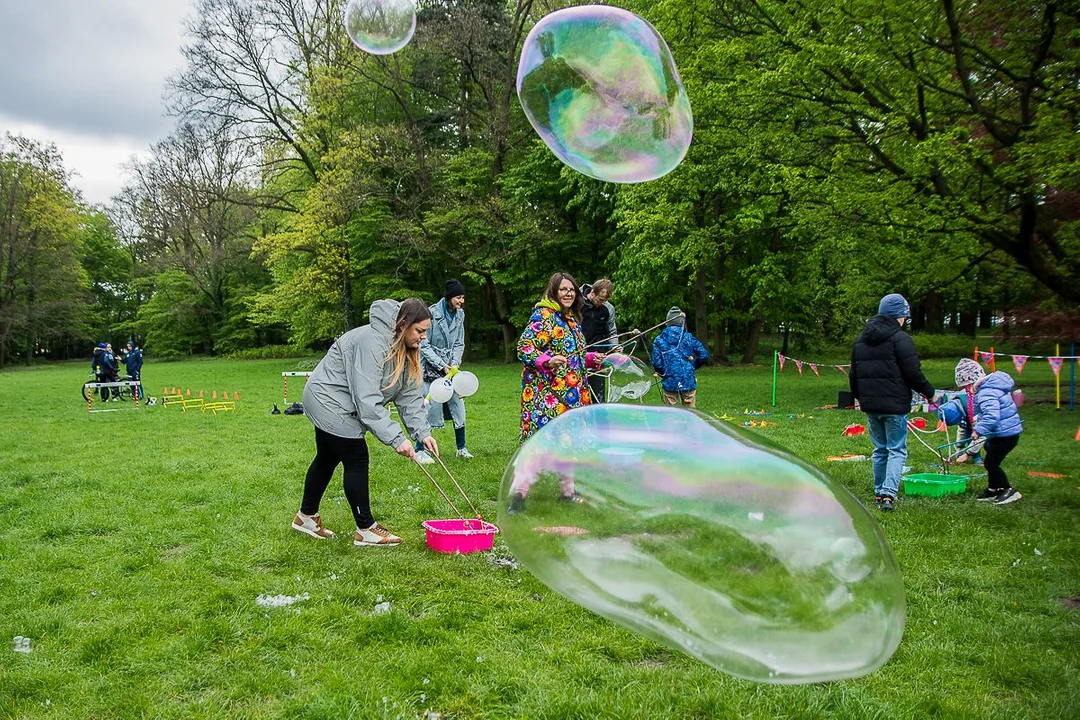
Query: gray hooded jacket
{"points": [[344, 395]]}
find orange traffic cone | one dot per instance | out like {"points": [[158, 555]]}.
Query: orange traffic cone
{"points": [[189, 392], [164, 391], [175, 391], [200, 393], [236, 395], [1078, 434], [215, 395]]}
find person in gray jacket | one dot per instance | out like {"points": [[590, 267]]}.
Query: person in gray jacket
{"points": [[346, 397], [440, 352]]}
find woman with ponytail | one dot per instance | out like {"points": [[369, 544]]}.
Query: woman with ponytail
{"points": [[346, 397]]}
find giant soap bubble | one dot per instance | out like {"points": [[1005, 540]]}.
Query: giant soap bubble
{"points": [[627, 377], [441, 390], [380, 27], [599, 85], [706, 539]]}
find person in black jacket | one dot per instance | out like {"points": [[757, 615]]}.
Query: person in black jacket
{"points": [[598, 326], [884, 370]]}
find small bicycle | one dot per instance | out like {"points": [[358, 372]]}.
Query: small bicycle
{"points": [[124, 392]]}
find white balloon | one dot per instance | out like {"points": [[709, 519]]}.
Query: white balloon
{"points": [[441, 390], [465, 383]]}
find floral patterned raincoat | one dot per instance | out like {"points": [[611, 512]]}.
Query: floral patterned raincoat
{"points": [[548, 392]]}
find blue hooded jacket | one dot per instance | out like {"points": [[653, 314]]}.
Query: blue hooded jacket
{"points": [[676, 354], [995, 412]]}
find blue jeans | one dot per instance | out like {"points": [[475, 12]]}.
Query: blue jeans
{"points": [[889, 435]]}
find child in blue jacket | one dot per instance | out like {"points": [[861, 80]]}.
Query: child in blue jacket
{"points": [[997, 422], [676, 356]]}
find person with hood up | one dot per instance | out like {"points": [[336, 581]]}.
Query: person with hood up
{"points": [[440, 352], [997, 423], [885, 369], [100, 368], [133, 362], [676, 356], [346, 397]]}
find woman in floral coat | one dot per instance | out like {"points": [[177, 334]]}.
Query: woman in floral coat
{"points": [[553, 357]]}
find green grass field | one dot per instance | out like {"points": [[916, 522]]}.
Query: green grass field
{"points": [[134, 544]]}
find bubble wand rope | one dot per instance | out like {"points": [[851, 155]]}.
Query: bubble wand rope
{"points": [[940, 457], [448, 474], [437, 487], [636, 333]]}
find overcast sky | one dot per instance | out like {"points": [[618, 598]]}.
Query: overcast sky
{"points": [[89, 76]]}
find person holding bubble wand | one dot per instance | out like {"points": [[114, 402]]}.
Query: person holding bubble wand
{"points": [[346, 397], [440, 356], [554, 363]]}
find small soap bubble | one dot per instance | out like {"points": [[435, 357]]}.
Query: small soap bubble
{"points": [[705, 538], [382, 608], [479, 658], [21, 644], [626, 377], [380, 27], [600, 87]]}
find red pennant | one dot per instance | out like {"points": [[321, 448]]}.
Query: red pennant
{"points": [[986, 357], [813, 366], [1055, 364], [798, 364], [842, 368], [1018, 362], [782, 359]]}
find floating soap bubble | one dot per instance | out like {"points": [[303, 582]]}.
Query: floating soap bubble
{"points": [[706, 539], [627, 377], [599, 85], [465, 383], [441, 390], [380, 27]]}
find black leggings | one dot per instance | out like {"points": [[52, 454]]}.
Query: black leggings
{"points": [[996, 450], [352, 453]]}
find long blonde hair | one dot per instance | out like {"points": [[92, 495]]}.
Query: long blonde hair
{"points": [[412, 311]]}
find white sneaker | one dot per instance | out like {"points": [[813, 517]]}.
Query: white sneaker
{"points": [[311, 526], [463, 453], [423, 458], [375, 535]]}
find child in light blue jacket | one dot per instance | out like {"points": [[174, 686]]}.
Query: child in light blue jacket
{"points": [[997, 422]]}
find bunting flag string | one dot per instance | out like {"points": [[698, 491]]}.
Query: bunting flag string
{"points": [[813, 365], [985, 357], [1018, 361], [1055, 364]]}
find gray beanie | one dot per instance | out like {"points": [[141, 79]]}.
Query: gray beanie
{"points": [[894, 306], [675, 317]]}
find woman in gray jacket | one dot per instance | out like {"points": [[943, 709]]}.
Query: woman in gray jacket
{"points": [[346, 397]]}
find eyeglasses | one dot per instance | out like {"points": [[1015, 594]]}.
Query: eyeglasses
{"points": [[567, 291]]}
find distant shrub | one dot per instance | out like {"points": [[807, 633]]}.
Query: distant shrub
{"points": [[937, 345], [269, 352]]}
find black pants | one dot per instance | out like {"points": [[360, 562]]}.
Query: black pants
{"points": [[996, 450], [598, 386], [352, 453]]}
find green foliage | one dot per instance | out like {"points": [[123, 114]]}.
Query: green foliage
{"points": [[266, 352]]}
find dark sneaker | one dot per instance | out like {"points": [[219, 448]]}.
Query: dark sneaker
{"points": [[886, 504], [1008, 495], [517, 504], [988, 494]]}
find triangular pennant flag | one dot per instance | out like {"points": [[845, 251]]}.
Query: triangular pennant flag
{"points": [[782, 359], [813, 366], [798, 364], [1055, 364], [986, 357], [1018, 361], [842, 368]]}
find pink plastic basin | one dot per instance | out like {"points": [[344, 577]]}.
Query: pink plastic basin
{"points": [[459, 536]]}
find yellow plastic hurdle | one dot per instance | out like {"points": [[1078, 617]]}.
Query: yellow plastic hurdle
{"points": [[223, 406]]}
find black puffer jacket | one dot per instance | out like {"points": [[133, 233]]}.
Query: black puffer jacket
{"points": [[885, 368]]}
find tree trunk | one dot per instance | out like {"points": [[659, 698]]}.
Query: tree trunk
{"points": [[986, 319], [753, 339], [966, 326], [701, 307], [934, 312]]}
